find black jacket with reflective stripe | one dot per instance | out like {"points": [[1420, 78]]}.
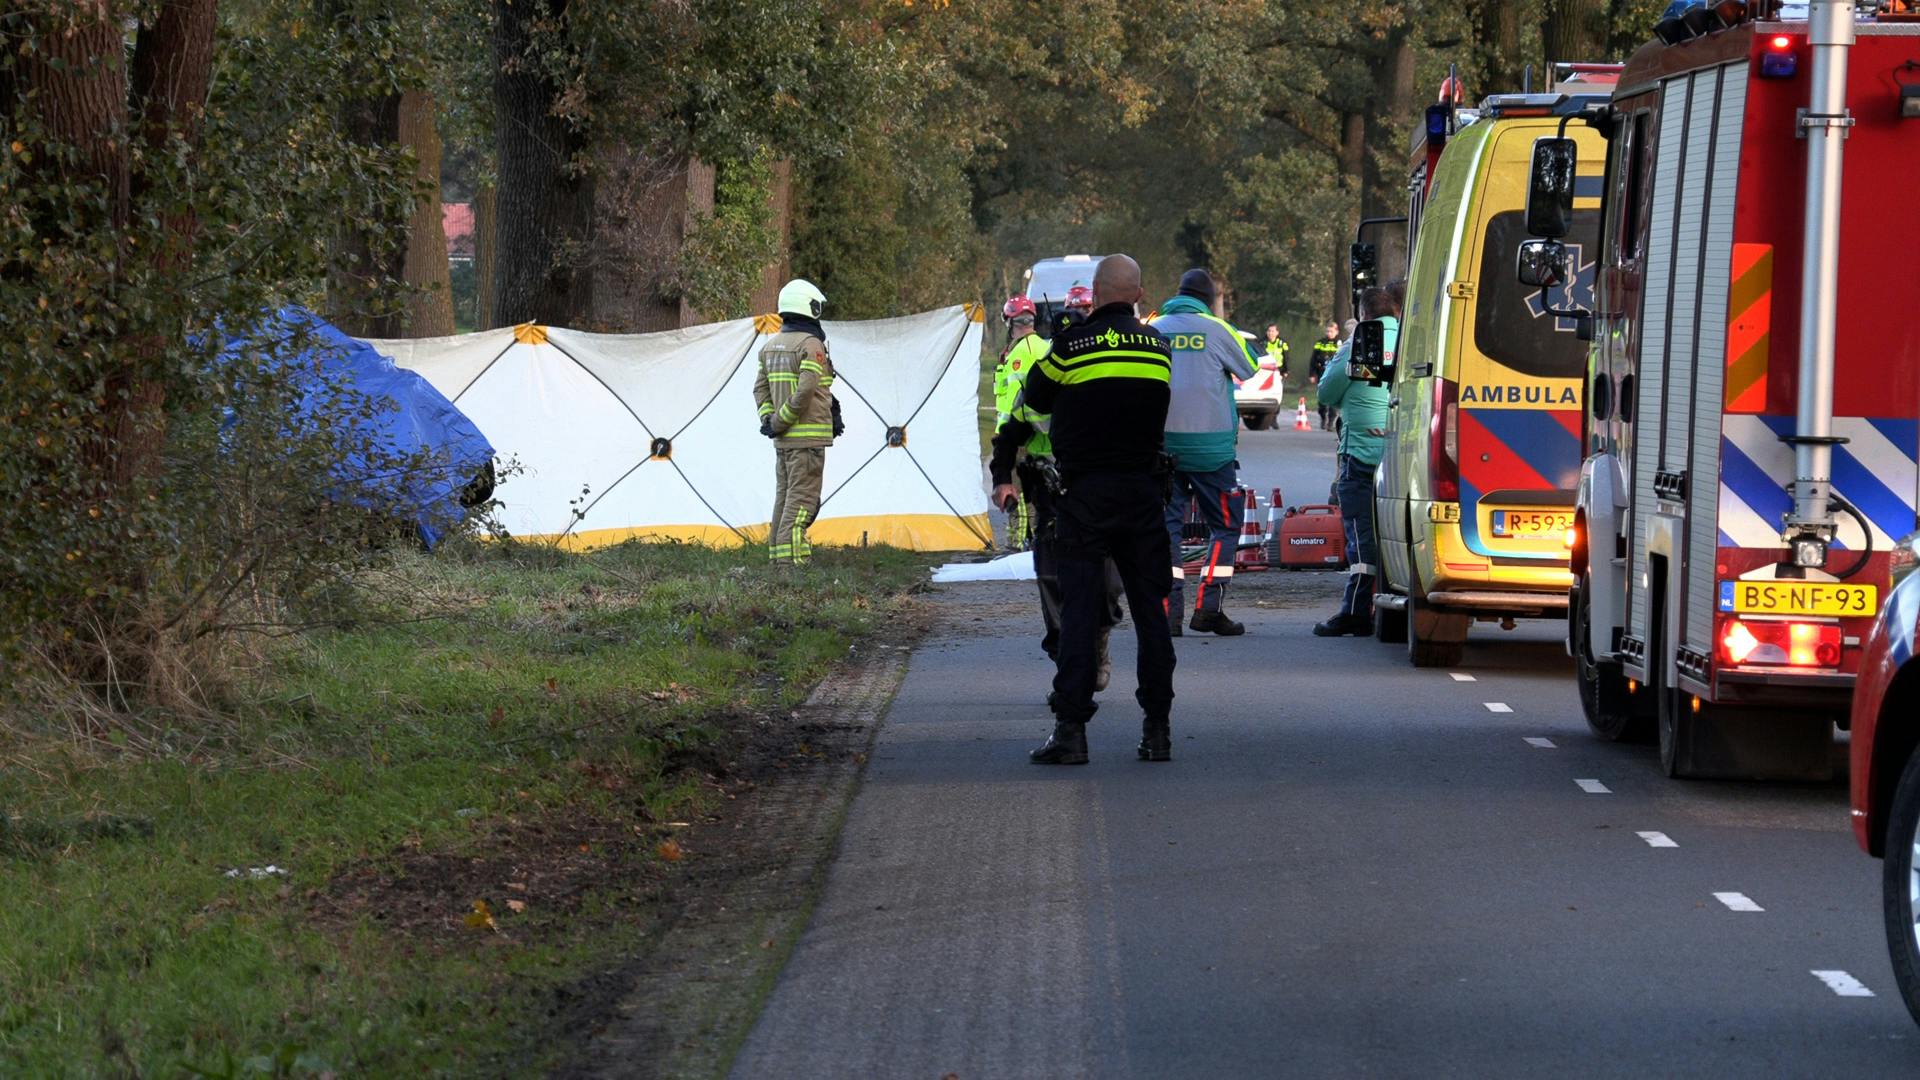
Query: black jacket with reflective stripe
{"points": [[1105, 382]]}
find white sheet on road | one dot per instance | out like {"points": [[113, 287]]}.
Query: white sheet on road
{"points": [[1015, 567]]}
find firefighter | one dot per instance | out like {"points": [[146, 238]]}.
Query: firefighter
{"points": [[1363, 435], [1021, 447], [1323, 353], [1079, 301], [794, 391], [1024, 348], [1202, 438], [1105, 386], [1277, 350]]}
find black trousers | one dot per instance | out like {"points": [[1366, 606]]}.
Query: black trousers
{"points": [[1120, 517], [1046, 563]]}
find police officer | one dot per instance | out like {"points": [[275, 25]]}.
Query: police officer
{"points": [[1323, 353], [1105, 385], [1203, 428], [1277, 351], [794, 391]]}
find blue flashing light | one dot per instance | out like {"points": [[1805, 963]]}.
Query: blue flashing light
{"points": [[1778, 60]]}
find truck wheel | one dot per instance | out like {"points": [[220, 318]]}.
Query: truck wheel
{"points": [[1603, 687], [1900, 885], [1705, 741], [1434, 638], [1389, 626]]}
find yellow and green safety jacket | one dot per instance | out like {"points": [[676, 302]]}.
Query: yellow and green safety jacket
{"points": [[1012, 373], [794, 389]]}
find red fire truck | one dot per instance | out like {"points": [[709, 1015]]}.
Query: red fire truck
{"points": [[1753, 390]]}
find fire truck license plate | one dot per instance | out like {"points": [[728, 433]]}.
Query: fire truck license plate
{"points": [[1798, 598], [1531, 524]]}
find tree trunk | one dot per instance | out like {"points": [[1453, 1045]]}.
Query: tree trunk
{"points": [[430, 299], [545, 198], [1575, 30], [1499, 38], [365, 263], [485, 199]]}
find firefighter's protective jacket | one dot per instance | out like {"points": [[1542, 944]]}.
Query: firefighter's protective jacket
{"points": [[794, 389]]}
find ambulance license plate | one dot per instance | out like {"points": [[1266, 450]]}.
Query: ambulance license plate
{"points": [[1531, 524], [1798, 598]]}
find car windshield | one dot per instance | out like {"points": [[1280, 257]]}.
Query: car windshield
{"points": [[1053, 277]]}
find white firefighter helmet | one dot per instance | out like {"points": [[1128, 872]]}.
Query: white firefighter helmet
{"points": [[801, 297]]}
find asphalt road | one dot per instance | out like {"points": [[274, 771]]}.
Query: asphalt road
{"points": [[1351, 868]]}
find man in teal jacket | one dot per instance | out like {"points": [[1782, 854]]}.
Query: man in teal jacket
{"points": [[1363, 436], [1203, 438]]}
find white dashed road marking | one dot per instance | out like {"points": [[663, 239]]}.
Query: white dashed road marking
{"points": [[1657, 839], [1594, 787], [1737, 901], [1537, 741], [1461, 676], [1843, 984], [1498, 706]]}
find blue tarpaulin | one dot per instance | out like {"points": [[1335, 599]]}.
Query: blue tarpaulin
{"points": [[411, 422]]}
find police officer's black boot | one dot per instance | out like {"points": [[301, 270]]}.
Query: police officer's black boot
{"points": [[1066, 746], [1216, 622], [1156, 739]]}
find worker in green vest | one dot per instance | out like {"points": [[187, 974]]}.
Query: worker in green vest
{"points": [[1024, 350]]}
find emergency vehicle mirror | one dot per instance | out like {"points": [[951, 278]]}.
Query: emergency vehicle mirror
{"points": [[1363, 260], [1369, 359], [1550, 187], [1542, 264]]}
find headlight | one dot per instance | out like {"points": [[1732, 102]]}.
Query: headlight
{"points": [[1906, 555]]}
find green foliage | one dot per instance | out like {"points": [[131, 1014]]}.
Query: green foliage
{"points": [[126, 260], [725, 250], [512, 694]]}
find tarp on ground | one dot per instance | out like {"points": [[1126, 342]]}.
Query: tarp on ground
{"points": [[411, 423], [656, 436]]}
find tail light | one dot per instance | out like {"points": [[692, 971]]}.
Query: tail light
{"points": [[1786, 644], [1443, 441]]}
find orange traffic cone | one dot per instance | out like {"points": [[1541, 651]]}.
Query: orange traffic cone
{"points": [[1300, 417]]}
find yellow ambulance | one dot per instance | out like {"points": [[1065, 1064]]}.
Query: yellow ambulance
{"points": [[1475, 492]]}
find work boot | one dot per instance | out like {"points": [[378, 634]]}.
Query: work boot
{"points": [[1066, 746], [1216, 622], [1156, 739], [1343, 625], [1103, 674]]}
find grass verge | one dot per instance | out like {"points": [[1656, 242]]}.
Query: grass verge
{"points": [[412, 840]]}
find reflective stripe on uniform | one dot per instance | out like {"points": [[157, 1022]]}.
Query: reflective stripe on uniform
{"points": [[807, 431], [1109, 364]]}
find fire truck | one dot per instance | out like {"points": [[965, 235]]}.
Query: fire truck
{"points": [[1754, 381]]}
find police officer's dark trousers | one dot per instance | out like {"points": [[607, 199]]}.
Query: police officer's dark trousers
{"points": [[1117, 516], [1046, 563]]}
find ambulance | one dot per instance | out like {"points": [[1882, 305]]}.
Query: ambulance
{"points": [[1475, 491]]}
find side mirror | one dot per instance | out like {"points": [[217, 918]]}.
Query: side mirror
{"points": [[1543, 264], [1369, 359], [1550, 187], [1363, 261]]}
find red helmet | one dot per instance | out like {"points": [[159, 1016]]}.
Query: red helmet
{"points": [[1080, 298], [1018, 307]]}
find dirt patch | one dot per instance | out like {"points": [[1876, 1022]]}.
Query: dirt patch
{"points": [[731, 911]]}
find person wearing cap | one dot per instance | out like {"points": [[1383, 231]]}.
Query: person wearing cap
{"points": [[794, 392], [1203, 438]]}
